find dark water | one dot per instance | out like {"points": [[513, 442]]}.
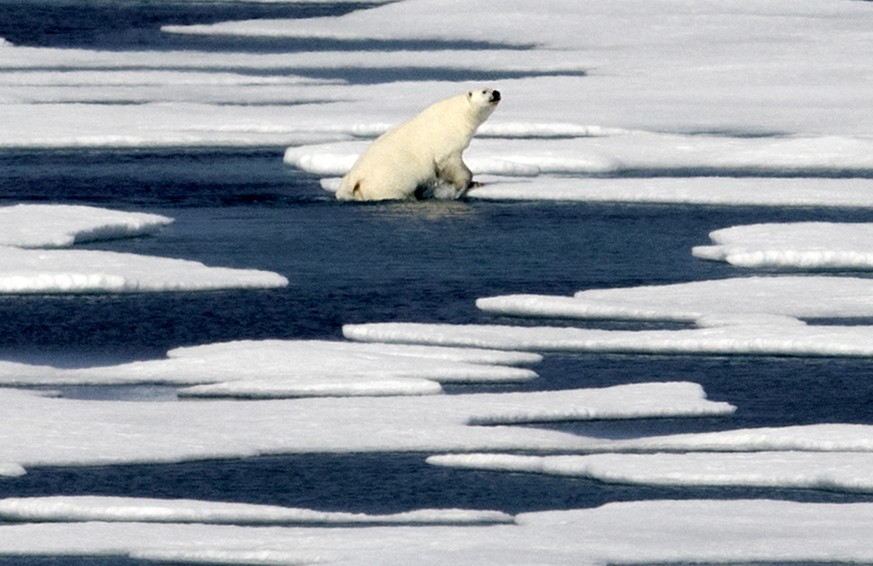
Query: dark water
{"points": [[422, 262]]}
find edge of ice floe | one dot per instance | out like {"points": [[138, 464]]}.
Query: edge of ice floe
{"points": [[26, 269], [81, 432], [753, 336], [277, 369], [72, 509], [93, 271], [836, 471], [65, 225], [266, 389], [794, 245]]}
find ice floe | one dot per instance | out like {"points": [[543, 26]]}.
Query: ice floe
{"points": [[719, 335], [25, 270], [754, 315], [694, 531], [832, 457], [56, 431], [840, 471], [794, 296], [721, 191], [809, 438], [61, 226], [802, 245], [70, 509], [289, 368], [747, 315], [89, 271]]}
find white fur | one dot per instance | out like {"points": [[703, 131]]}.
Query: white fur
{"points": [[422, 153]]}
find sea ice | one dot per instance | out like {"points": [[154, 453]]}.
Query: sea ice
{"points": [[726, 89], [72, 509], [26, 270], [809, 438], [61, 226], [802, 245], [694, 531], [52, 431], [89, 271], [748, 315], [836, 471], [722, 335], [293, 368], [653, 84], [806, 297], [721, 191]]}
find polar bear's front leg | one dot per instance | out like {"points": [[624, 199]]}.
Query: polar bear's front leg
{"points": [[453, 170]]}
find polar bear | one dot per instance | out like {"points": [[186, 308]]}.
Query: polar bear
{"points": [[423, 153]]}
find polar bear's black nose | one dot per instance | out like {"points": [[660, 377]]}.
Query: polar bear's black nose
{"points": [[495, 96]]}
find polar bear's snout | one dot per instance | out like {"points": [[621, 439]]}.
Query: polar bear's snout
{"points": [[495, 96]]}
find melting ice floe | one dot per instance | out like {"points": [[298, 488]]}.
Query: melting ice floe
{"points": [[84, 271], [61, 226], [790, 296], [125, 509], [827, 456], [840, 471], [754, 315], [51, 431], [751, 191], [632, 532], [803, 245], [87, 271], [302, 368], [753, 335]]}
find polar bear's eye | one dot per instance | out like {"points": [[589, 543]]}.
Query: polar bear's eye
{"points": [[470, 94]]}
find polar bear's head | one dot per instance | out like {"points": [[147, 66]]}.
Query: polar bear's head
{"points": [[483, 101], [484, 98]]}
